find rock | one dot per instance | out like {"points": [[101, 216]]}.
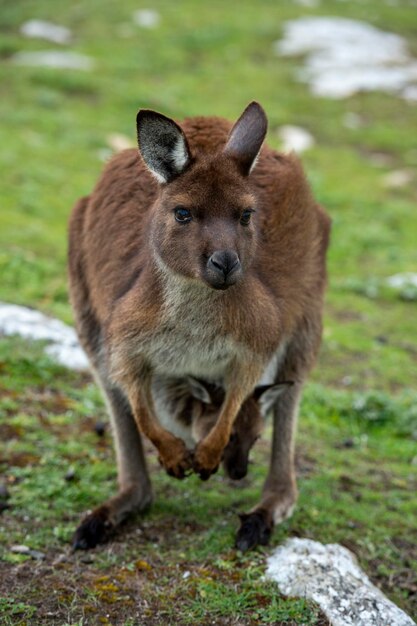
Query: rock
{"points": [[410, 93], [405, 284], [118, 142], [347, 56], [330, 576], [295, 138], [20, 549], [309, 4], [398, 178], [54, 59], [399, 281], [40, 29], [71, 356], [64, 347], [147, 18], [36, 555]]}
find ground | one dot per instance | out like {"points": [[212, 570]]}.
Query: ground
{"points": [[357, 463]]}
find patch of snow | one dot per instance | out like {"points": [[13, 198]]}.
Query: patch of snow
{"points": [[330, 575], [54, 58], [295, 139], [63, 343], [147, 18], [40, 29], [346, 56]]}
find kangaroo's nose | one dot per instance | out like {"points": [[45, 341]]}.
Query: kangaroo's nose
{"points": [[223, 263]]}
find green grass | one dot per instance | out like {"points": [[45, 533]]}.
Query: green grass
{"points": [[357, 483], [358, 422]]}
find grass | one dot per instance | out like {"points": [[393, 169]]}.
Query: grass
{"points": [[358, 425]]}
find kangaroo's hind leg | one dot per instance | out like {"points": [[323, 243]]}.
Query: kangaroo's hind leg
{"points": [[135, 492]]}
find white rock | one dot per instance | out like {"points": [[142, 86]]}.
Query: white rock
{"points": [[330, 575], [40, 29], [399, 281], [118, 142], [63, 343], [410, 93], [147, 18], [71, 356], [346, 56], [398, 178], [20, 549], [54, 58], [310, 4], [295, 139]]}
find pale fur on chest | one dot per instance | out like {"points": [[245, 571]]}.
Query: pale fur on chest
{"points": [[189, 340]]}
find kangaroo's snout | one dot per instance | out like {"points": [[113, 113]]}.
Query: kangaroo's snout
{"points": [[223, 269]]}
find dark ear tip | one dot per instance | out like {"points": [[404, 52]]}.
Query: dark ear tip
{"points": [[144, 114], [258, 109], [255, 105]]}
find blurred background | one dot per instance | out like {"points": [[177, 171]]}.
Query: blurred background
{"points": [[338, 80]]}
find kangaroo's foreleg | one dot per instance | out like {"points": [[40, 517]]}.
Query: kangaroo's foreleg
{"points": [[135, 492], [173, 454], [239, 385]]}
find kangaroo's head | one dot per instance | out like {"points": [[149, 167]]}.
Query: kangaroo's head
{"points": [[203, 222]]}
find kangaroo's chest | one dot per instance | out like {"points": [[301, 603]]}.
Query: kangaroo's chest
{"points": [[190, 339], [192, 347]]}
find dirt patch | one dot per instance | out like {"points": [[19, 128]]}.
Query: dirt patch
{"points": [[67, 589]]}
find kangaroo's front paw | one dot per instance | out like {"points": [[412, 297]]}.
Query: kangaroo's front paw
{"points": [[94, 529], [176, 459], [206, 461]]}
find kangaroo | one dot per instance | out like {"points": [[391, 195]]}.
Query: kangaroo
{"points": [[189, 408], [202, 256]]}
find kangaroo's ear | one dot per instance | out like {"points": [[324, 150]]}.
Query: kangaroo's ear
{"points": [[246, 137], [198, 390], [267, 395], [162, 145]]}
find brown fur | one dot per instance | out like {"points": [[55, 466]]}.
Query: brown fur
{"points": [[139, 292]]}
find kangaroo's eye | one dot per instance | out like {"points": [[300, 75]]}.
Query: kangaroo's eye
{"points": [[182, 215], [246, 216]]}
